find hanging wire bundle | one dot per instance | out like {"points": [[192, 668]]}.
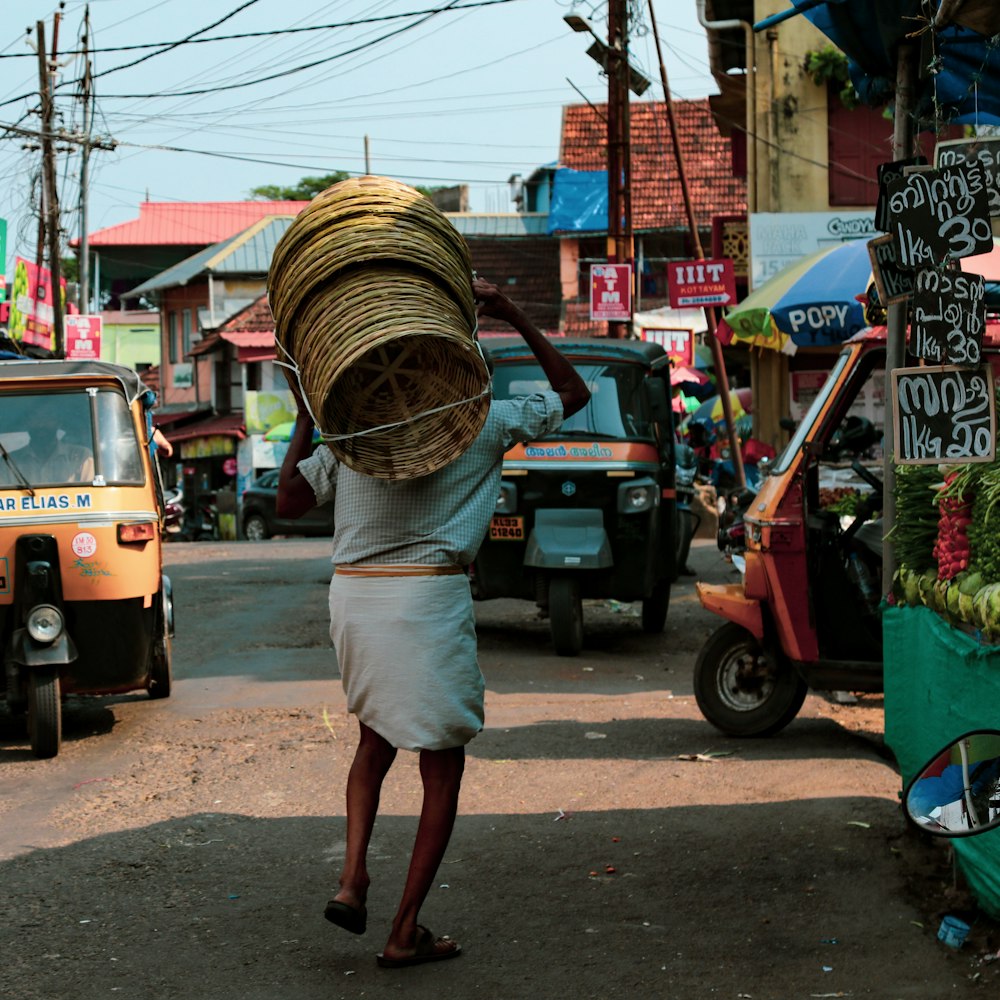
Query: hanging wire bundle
{"points": [[370, 288]]}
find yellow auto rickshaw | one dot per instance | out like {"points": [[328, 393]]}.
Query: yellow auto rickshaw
{"points": [[84, 605]]}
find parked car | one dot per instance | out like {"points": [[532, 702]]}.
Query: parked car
{"points": [[260, 520]]}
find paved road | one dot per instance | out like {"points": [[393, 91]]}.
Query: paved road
{"points": [[185, 848]]}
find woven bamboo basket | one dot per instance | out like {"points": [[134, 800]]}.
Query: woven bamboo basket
{"points": [[371, 295]]}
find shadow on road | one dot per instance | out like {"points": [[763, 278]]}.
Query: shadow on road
{"points": [[778, 899]]}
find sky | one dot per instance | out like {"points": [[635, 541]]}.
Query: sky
{"points": [[469, 96]]}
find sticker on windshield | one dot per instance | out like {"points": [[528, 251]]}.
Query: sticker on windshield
{"points": [[84, 544]]}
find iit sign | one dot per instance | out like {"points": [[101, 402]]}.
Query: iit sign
{"points": [[611, 292], [701, 283]]}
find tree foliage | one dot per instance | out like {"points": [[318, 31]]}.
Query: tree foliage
{"points": [[307, 188]]}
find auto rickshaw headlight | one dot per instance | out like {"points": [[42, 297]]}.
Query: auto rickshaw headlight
{"points": [[45, 623], [638, 496], [507, 501]]}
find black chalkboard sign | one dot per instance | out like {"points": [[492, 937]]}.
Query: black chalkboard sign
{"points": [[949, 316], [894, 284], [891, 172], [944, 414], [940, 214], [984, 150]]}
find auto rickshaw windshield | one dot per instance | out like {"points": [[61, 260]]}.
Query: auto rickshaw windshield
{"points": [[817, 406], [67, 437], [617, 409]]}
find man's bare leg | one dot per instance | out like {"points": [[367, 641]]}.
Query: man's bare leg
{"points": [[441, 773], [372, 761]]}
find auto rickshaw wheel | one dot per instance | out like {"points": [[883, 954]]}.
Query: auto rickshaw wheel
{"points": [[741, 689], [161, 654], [161, 674], [654, 609], [566, 615], [44, 712]]}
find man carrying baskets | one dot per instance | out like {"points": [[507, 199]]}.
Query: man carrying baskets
{"points": [[403, 625]]}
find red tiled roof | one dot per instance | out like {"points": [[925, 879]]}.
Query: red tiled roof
{"points": [[577, 322], [527, 270], [657, 200], [254, 318], [190, 223]]}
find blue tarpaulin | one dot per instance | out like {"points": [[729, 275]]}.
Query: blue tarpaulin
{"points": [[579, 202], [964, 89]]}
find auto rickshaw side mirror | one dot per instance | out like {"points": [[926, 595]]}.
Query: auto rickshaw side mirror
{"points": [[957, 793], [657, 399]]}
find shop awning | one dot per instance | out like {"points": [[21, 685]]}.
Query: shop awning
{"points": [[224, 425], [251, 345]]}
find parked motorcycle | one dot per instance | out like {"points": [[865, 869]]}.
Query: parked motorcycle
{"points": [[173, 512], [200, 522], [688, 521]]}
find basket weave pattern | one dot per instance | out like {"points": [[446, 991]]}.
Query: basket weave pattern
{"points": [[372, 300]]}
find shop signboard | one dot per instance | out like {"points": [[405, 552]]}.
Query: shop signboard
{"points": [[31, 304], [778, 239], [894, 283], [939, 214], [678, 344], [701, 282], [889, 172], [611, 292], [943, 414], [3, 260], [984, 150], [83, 337], [949, 317], [264, 409]]}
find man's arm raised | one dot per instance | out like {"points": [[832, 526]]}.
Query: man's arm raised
{"points": [[562, 376]]}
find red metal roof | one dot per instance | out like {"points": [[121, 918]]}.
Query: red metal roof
{"points": [[190, 223], [657, 201]]}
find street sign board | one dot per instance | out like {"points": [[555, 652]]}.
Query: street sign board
{"points": [[611, 292], [701, 282], [83, 337]]}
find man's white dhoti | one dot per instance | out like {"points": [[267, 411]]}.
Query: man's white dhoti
{"points": [[406, 646]]}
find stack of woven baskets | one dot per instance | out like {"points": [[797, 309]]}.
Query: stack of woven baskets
{"points": [[370, 288]]}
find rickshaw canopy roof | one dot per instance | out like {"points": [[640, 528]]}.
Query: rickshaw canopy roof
{"points": [[31, 368], [641, 352]]}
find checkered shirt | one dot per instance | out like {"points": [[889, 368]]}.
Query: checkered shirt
{"points": [[438, 519]]}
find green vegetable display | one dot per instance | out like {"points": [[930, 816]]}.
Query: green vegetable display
{"points": [[915, 531]]}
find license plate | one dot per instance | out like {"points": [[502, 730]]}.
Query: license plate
{"points": [[507, 529]]}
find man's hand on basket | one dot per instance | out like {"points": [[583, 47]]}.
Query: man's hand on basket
{"points": [[493, 302]]}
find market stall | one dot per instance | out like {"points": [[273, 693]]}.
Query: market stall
{"points": [[937, 64]]}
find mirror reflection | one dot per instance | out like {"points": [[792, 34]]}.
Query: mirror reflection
{"points": [[958, 793]]}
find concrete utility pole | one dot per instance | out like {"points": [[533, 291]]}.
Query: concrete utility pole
{"points": [[619, 147], [51, 193]]}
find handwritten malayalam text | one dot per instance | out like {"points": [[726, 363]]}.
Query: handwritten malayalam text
{"points": [[949, 316], [944, 415], [940, 214]]}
